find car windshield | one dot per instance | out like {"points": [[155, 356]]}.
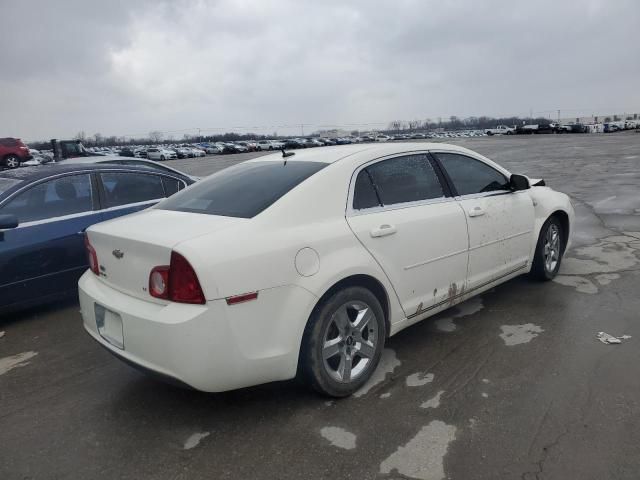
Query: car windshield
{"points": [[242, 191], [7, 183]]}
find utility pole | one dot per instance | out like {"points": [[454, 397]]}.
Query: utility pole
{"points": [[302, 129], [558, 115]]}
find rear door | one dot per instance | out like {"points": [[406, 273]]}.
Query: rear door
{"points": [[45, 254], [401, 211], [500, 221]]}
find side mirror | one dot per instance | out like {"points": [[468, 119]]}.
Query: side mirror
{"points": [[518, 182], [8, 221]]}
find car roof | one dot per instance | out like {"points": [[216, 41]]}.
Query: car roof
{"points": [[30, 174], [335, 153]]}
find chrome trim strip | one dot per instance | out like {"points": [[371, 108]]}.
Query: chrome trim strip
{"points": [[83, 214], [477, 287]]}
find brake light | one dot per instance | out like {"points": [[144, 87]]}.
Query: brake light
{"points": [[177, 282], [92, 256]]}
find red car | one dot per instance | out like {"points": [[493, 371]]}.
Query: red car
{"points": [[13, 152]]}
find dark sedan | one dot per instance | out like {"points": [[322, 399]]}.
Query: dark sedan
{"points": [[44, 212]]}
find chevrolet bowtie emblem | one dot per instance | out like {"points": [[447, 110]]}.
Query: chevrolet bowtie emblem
{"points": [[118, 253]]}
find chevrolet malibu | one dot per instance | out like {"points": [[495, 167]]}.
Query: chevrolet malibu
{"points": [[304, 265]]}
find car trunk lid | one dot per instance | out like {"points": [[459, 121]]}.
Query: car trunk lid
{"points": [[128, 248]]}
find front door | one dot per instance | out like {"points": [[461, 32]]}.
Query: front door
{"points": [[401, 213], [500, 221], [45, 254]]}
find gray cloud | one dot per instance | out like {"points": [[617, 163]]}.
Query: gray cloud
{"points": [[129, 67]]}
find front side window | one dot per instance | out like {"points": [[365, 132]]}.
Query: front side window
{"points": [[122, 188], [409, 178], [54, 198], [470, 176], [244, 190]]}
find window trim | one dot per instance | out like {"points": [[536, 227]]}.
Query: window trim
{"points": [[29, 185], [95, 202], [452, 187], [352, 212]]}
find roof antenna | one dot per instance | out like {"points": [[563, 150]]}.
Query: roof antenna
{"points": [[287, 154]]}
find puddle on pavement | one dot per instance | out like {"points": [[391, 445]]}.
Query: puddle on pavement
{"points": [[194, 440], [433, 402], [519, 334], [471, 306], [601, 260], [339, 437], [423, 456], [388, 363], [15, 361], [419, 379]]}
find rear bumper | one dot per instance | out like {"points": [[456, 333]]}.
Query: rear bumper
{"points": [[211, 347]]}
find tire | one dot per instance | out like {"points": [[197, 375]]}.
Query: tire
{"points": [[509, 133], [162, 158], [333, 339], [12, 161], [549, 251]]}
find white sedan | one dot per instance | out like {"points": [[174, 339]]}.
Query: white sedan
{"points": [[304, 265], [154, 153]]}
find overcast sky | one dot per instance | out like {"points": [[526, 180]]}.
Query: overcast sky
{"points": [[129, 67]]}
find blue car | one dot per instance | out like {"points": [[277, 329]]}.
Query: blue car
{"points": [[44, 212]]}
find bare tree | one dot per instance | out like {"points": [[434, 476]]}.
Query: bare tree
{"points": [[97, 137], [414, 124], [395, 125], [155, 136], [81, 135]]}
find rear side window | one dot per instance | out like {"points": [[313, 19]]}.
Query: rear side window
{"points": [[471, 176], [171, 185], [409, 178], [364, 193], [124, 188], [242, 191], [54, 198]]}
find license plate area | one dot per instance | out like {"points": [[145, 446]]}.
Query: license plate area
{"points": [[109, 326]]}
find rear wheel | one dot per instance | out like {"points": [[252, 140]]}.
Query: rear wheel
{"points": [[549, 250], [12, 161], [343, 342]]}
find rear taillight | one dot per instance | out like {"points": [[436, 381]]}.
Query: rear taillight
{"points": [[177, 282], [92, 256]]}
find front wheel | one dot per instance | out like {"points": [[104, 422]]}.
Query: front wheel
{"points": [[549, 251], [162, 157], [343, 342], [12, 161]]}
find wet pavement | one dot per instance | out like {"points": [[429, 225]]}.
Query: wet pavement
{"points": [[509, 385]]}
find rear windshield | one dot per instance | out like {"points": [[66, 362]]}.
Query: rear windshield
{"points": [[7, 183], [242, 191]]}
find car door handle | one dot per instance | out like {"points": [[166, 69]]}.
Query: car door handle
{"points": [[476, 212], [383, 231]]}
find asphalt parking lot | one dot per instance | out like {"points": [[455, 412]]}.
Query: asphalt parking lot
{"points": [[509, 385]]}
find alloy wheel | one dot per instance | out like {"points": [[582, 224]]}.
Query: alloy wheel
{"points": [[551, 248], [350, 341]]}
